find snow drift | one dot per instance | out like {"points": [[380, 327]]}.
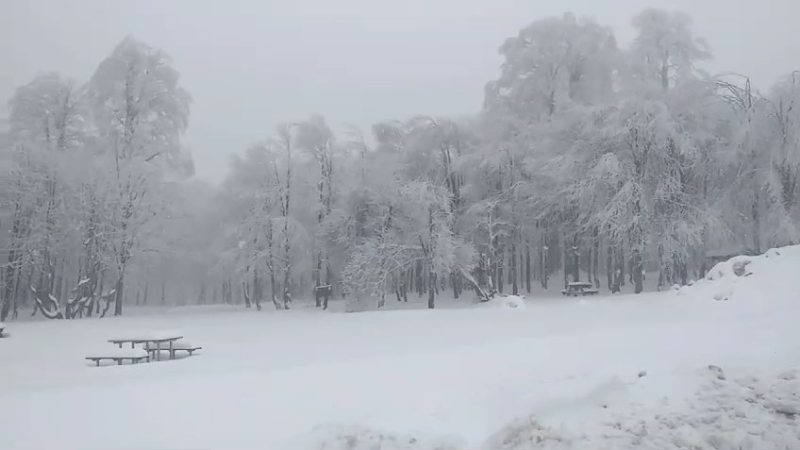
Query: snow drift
{"points": [[747, 277]]}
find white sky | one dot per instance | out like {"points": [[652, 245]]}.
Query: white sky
{"points": [[252, 64]]}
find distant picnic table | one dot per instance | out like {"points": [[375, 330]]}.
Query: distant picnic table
{"points": [[151, 342], [579, 288]]}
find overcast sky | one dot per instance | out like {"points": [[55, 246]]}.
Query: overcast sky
{"points": [[252, 64]]}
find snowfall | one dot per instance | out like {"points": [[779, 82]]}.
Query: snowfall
{"points": [[715, 365]]}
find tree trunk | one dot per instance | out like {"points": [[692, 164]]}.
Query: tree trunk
{"points": [[406, 282], [636, 266], [567, 264], [576, 263], [418, 273], [120, 293], [589, 267], [318, 272], [528, 266], [682, 272], [513, 269], [544, 251], [256, 289], [431, 285], [9, 288], [396, 286], [596, 257], [610, 267], [246, 293]]}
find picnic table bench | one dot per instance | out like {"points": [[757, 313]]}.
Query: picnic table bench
{"points": [[181, 346], [134, 355], [579, 288], [156, 340]]}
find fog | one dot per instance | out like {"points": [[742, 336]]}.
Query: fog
{"points": [[252, 64], [600, 199]]}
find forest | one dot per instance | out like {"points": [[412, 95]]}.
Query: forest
{"points": [[587, 161]]}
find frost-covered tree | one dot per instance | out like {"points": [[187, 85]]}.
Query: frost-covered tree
{"points": [[665, 51], [140, 112]]}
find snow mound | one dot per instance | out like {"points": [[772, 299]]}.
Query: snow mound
{"points": [[745, 412], [355, 437], [746, 276], [506, 301]]}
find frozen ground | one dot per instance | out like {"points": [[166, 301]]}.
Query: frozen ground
{"points": [[712, 366]]}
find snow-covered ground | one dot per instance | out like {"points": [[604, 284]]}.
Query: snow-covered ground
{"points": [[711, 366]]}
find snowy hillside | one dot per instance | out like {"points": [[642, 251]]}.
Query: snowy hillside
{"points": [[656, 371]]}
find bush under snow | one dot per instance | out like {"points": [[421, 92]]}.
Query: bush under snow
{"points": [[506, 301]]}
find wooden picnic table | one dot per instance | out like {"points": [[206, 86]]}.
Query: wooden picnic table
{"points": [[155, 340]]}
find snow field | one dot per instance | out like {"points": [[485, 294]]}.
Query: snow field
{"points": [[668, 370]]}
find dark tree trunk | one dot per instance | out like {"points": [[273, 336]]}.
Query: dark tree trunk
{"points": [[431, 286], [272, 286], [119, 294], [567, 263], [404, 285], [418, 274], [682, 272], [544, 262], [513, 269], [596, 257], [500, 278], [589, 264], [246, 293], [576, 263], [396, 286], [609, 267], [636, 263], [11, 276], [318, 271], [256, 289], [528, 266], [455, 282]]}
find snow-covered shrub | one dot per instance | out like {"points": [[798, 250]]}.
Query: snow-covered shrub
{"points": [[506, 301]]}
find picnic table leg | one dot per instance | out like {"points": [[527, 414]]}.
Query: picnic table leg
{"points": [[171, 350], [132, 345], [158, 351], [97, 361], [119, 362], [120, 344]]}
